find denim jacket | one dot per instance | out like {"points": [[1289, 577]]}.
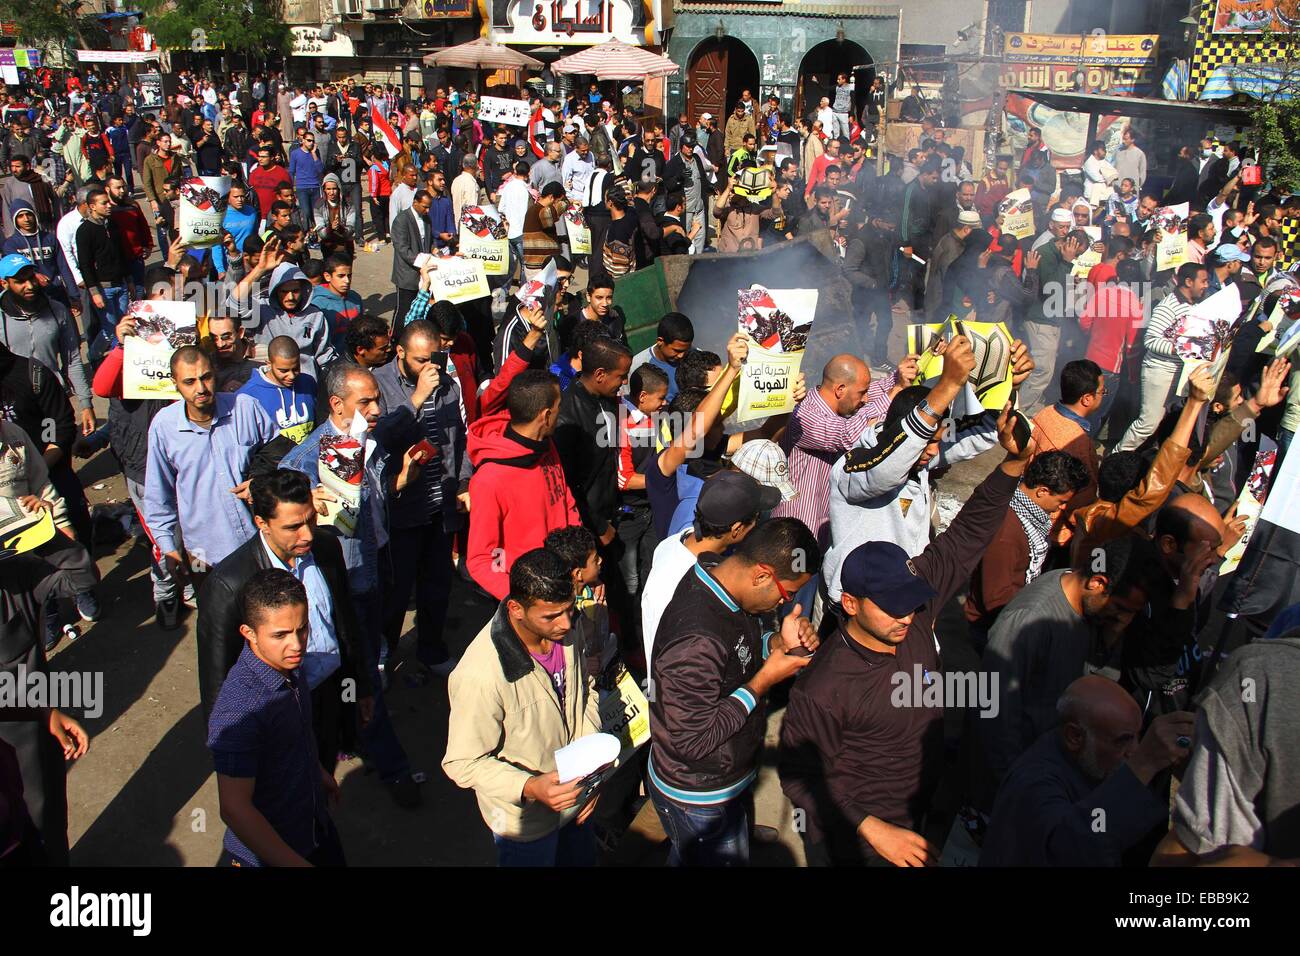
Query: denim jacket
{"points": [[361, 552]]}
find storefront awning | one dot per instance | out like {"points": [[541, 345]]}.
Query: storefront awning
{"points": [[1143, 107], [1261, 81]]}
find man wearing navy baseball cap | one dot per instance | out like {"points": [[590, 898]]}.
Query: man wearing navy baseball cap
{"points": [[862, 738]]}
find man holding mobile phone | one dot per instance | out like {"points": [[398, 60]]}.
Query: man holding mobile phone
{"points": [[429, 497]]}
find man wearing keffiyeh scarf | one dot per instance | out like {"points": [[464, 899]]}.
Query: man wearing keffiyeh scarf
{"points": [[1018, 551]]}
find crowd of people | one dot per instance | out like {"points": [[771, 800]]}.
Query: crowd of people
{"points": [[604, 514]]}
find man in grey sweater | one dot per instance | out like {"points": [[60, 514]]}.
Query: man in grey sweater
{"points": [[36, 327], [1062, 626]]}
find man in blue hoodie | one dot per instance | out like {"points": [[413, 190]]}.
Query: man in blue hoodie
{"points": [[38, 246], [288, 396], [283, 309], [336, 300]]}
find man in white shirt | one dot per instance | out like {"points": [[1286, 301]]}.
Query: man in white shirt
{"points": [[299, 106], [66, 234], [513, 204], [826, 116], [1099, 176], [728, 508]]}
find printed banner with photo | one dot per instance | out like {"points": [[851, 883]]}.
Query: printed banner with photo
{"points": [[539, 291], [22, 531], [161, 327], [458, 279], [990, 380], [1284, 491], [342, 468], [202, 208], [1251, 500], [778, 321], [1284, 336], [1256, 16], [483, 236], [497, 109], [1172, 223], [1017, 211], [578, 231], [1090, 257], [1205, 334]]}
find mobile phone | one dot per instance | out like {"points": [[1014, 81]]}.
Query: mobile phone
{"points": [[439, 359], [423, 451], [1021, 428]]}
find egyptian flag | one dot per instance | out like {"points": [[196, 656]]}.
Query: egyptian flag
{"points": [[384, 132], [537, 132]]}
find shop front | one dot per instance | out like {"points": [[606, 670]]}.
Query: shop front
{"points": [[791, 50]]}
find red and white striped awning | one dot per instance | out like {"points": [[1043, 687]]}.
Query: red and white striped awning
{"points": [[615, 60]]}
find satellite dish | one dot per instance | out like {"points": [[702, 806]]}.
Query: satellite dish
{"points": [[327, 33]]}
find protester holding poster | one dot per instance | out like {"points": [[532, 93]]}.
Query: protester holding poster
{"points": [[1161, 364]]}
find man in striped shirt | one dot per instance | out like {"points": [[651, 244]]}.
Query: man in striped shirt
{"points": [[828, 424], [1161, 365]]}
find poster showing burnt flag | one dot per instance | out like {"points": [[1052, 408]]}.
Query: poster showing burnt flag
{"points": [[161, 327], [483, 236], [342, 468], [202, 209], [778, 321]]}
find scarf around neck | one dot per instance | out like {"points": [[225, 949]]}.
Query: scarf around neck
{"points": [[1038, 525]]}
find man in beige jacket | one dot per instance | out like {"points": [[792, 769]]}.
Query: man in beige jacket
{"points": [[520, 693]]}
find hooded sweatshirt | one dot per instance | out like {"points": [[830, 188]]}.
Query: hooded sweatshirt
{"points": [[518, 493], [40, 246], [340, 312], [341, 215], [292, 409], [264, 319], [46, 333]]}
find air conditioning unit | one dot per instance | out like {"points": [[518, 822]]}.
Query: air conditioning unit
{"points": [[383, 5], [347, 8]]}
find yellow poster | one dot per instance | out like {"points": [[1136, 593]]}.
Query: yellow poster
{"points": [[1017, 212], [458, 279], [161, 327], [991, 343], [493, 253], [767, 383]]}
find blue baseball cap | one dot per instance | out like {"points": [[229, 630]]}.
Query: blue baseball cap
{"points": [[881, 572], [1231, 252], [13, 264]]}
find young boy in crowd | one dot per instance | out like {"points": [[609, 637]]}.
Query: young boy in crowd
{"points": [[270, 781], [336, 300]]}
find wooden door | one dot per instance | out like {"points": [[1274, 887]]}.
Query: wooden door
{"points": [[706, 85]]}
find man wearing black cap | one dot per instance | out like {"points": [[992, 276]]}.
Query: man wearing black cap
{"points": [[715, 660], [725, 512], [684, 173], [859, 758]]}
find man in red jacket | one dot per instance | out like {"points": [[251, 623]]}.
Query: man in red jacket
{"points": [[518, 494], [132, 226]]}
